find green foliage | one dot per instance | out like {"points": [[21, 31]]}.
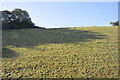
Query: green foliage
{"points": [[17, 11], [5, 24], [86, 52], [16, 19], [115, 23]]}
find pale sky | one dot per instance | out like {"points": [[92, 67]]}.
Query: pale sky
{"points": [[67, 14]]}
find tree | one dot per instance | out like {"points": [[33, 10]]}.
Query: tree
{"points": [[16, 19], [5, 19], [115, 23], [23, 19]]}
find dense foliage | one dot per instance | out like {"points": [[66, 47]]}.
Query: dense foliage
{"points": [[16, 19], [115, 23]]}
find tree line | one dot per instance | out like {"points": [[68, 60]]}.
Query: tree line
{"points": [[16, 19]]}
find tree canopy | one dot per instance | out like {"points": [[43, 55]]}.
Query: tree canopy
{"points": [[115, 23], [16, 19]]}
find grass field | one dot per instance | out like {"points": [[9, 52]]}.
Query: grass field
{"points": [[82, 52]]}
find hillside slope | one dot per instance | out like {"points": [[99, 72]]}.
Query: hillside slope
{"points": [[80, 52]]}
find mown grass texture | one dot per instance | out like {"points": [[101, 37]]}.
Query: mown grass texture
{"points": [[81, 52]]}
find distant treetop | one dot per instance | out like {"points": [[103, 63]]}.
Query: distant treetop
{"points": [[115, 23]]}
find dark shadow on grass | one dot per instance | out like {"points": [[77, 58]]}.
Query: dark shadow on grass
{"points": [[8, 53], [27, 38], [33, 37]]}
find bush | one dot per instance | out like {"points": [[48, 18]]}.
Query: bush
{"points": [[115, 23]]}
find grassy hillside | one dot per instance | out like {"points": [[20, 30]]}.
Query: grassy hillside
{"points": [[83, 52]]}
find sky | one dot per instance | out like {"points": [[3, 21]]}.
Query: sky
{"points": [[59, 0], [119, 11], [67, 14]]}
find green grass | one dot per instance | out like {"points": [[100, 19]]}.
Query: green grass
{"points": [[82, 52]]}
